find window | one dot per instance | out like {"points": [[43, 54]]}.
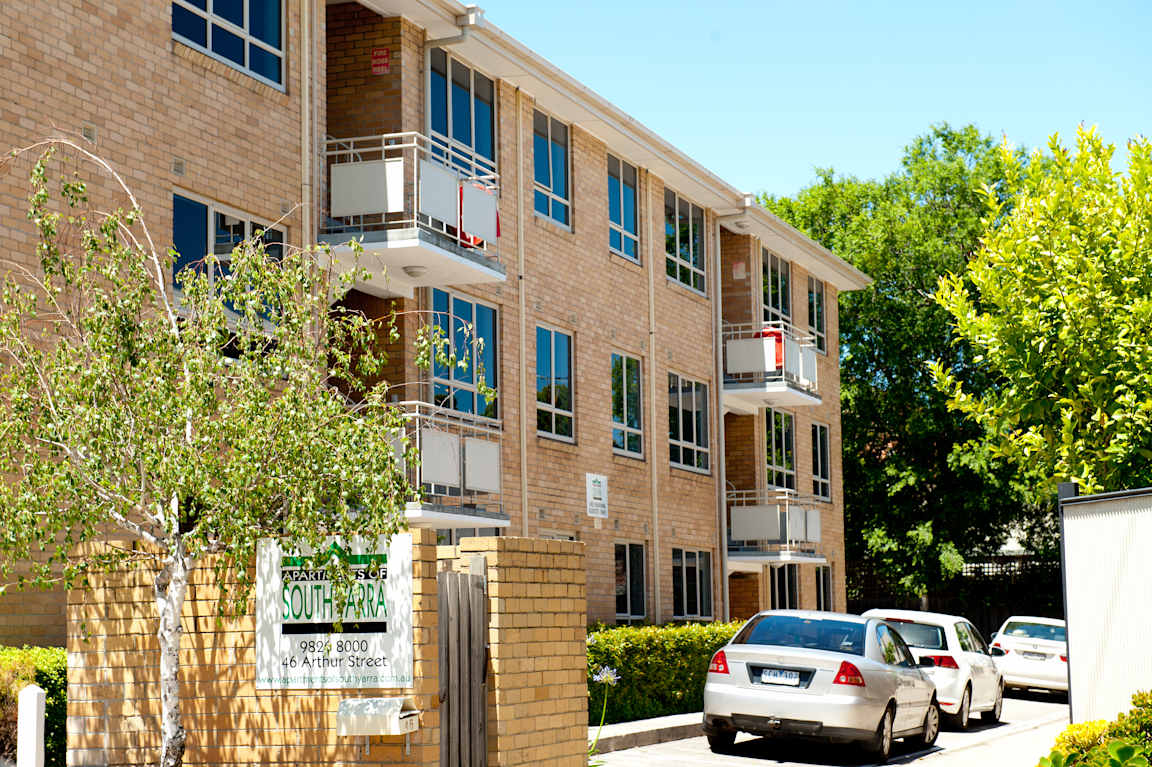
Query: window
{"points": [[781, 449], [687, 423], [629, 581], [816, 312], [821, 473], [622, 238], [691, 584], [199, 228], [627, 435], [824, 597], [785, 587], [461, 114], [245, 34], [453, 536], [550, 165], [684, 241], [553, 383], [777, 288], [470, 330]]}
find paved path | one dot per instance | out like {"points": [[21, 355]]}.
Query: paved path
{"points": [[1028, 728]]}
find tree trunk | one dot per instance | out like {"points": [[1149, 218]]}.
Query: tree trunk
{"points": [[170, 589]]}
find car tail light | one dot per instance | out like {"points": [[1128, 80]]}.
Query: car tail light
{"points": [[943, 661], [1064, 658], [849, 674], [719, 664]]}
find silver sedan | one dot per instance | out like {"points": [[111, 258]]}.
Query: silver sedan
{"points": [[808, 674]]}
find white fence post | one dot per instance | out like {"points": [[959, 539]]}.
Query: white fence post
{"points": [[30, 728]]}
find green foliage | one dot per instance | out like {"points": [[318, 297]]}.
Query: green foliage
{"points": [[1057, 310], [661, 668], [1081, 737], [47, 668], [911, 503], [1125, 742]]}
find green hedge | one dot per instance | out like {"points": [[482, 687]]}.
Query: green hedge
{"points": [[661, 668], [48, 668], [1125, 742]]}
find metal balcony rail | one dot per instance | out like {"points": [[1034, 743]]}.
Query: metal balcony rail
{"points": [[774, 519], [761, 352], [459, 467], [395, 183]]}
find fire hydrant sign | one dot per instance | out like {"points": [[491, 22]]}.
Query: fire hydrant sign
{"points": [[297, 645]]}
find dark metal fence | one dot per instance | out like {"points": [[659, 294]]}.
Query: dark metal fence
{"points": [[986, 592]]}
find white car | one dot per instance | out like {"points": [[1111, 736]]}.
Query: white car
{"points": [[1035, 652], [809, 674], [967, 679]]}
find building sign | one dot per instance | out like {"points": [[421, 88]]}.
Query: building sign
{"points": [[297, 645], [380, 61], [597, 493]]}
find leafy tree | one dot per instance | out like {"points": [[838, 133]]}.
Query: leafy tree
{"points": [[1057, 306], [912, 504], [194, 426]]}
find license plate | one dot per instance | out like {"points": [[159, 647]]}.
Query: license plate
{"points": [[779, 676], [1034, 655]]}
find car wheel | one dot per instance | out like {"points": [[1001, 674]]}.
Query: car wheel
{"points": [[993, 716], [721, 741], [931, 725], [961, 719], [881, 745]]}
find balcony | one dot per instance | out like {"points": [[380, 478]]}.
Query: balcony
{"points": [[423, 217], [459, 471], [768, 364], [772, 526]]}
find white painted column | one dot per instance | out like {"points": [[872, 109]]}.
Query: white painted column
{"points": [[30, 727]]}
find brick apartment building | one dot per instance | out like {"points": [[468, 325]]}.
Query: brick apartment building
{"points": [[663, 351]]}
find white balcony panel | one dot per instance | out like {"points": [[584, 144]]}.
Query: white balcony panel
{"points": [[478, 212], [366, 188], [751, 355], [797, 520], [755, 523], [439, 457], [439, 193], [814, 525], [808, 366], [481, 465], [792, 357]]}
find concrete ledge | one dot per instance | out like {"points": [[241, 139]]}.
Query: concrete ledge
{"points": [[646, 732]]}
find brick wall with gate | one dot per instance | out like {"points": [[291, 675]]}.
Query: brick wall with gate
{"points": [[536, 693]]}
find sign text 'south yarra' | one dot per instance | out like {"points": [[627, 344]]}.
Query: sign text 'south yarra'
{"points": [[297, 645]]}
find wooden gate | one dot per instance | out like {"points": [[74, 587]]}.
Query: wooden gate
{"points": [[463, 670]]}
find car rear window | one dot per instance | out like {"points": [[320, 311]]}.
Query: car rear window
{"points": [[922, 635], [809, 633], [1035, 631]]}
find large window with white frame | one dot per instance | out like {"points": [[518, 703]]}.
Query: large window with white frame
{"points": [[821, 471], [816, 312], [623, 239], [781, 449], [824, 596], [200, 227], [777, 288], [244, 34], [627, 421], [691, 584], [554, 383], [469, 329], [630, 566], [461, 114], [785, 586], [551, 197], [688, 423], [684, 241]]}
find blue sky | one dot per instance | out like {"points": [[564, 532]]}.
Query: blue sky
{"points": [[764, 92]]}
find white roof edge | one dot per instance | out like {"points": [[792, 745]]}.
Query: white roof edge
{"points": [[559, 92]]}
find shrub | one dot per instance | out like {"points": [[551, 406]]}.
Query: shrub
{"points": [[1083, 737], [1136, 725], [661, 668], [46, 667], [1125, 742]]}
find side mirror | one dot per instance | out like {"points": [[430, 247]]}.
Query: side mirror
{"points": [[993, 635], [997, 652], [926, 663]]}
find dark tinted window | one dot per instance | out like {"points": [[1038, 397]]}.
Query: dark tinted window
{"points": [[923, 635], [808, 633], [189, 232], [1035, 631]]}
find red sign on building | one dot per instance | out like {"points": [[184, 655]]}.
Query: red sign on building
{"points": [[380, 61]]}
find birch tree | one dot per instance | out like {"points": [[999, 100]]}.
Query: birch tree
{"points": [[192, 425]]}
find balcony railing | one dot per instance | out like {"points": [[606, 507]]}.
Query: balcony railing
{"points": [[767, 363], [396, 189], [773, 520], [459, 469]]}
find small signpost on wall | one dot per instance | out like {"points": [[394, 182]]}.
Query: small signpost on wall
{"points": [[297, 645], [381, 61], [597, 494]]}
